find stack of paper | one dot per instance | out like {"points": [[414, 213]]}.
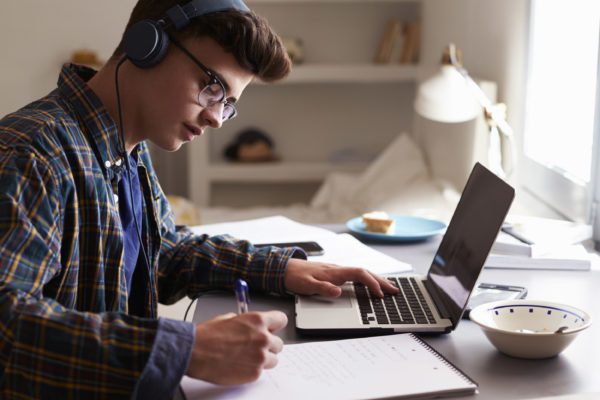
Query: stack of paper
{"points": [[546, 235], [341, 249], [553, 245], [573, 257]]}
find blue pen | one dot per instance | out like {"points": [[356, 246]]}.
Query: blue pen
{"points": [[241, 295]]}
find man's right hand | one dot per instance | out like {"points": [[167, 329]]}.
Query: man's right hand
{"points": [[231, 350]]}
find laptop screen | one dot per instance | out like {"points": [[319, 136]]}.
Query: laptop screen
{"points": [[470, 235]]}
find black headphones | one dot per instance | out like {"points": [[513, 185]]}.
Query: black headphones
{"points": [[145, 43]]}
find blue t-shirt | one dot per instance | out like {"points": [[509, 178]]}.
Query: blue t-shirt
{"points": [[130, 202]]}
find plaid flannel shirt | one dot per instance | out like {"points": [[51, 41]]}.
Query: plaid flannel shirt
{"points": [[68, 326]]}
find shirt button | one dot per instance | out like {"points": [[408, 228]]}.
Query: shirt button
{"points": [[116, 198], [107, 164], [118, 162]]}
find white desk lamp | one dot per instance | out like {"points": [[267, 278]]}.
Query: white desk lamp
{"points": [[452, 96]]}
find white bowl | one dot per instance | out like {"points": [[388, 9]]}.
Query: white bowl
{"points": [[529, 328]]}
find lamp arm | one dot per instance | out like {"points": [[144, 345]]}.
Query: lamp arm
{"points": [[495, 115], [492, 112]]}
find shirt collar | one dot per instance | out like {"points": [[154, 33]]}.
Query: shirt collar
{"points": [[100, 126]]}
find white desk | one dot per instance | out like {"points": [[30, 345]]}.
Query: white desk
{"points": [[576, 370]]}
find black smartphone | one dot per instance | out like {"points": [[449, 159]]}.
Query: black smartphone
{"points": [[488, 292], [311, 248]]}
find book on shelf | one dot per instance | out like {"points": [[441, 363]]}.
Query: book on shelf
{"points": [[568, 257], [411, 43], [389, 43], [544, 234]]}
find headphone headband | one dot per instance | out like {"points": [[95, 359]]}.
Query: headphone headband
{"points": [[180, 16]]}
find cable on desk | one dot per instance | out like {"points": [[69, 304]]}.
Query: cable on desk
{"points": [[204, 293], [188, 308]]}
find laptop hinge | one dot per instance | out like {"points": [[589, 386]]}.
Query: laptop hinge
{"points": [[436, 299]]}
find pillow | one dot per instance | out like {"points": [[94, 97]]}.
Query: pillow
{"points": [[391, 172]]}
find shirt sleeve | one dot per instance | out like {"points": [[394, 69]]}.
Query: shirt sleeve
{"points": [[168, 360], [191, 263], [46, 349]]}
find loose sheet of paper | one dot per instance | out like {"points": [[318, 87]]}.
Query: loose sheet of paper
{"points": [[266, 230], [366, 368], [340, 249]]}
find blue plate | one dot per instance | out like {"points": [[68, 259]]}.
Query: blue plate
{"points": [[408, 229]]}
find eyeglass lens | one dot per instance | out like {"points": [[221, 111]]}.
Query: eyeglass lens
{"points": [[213, 94]]}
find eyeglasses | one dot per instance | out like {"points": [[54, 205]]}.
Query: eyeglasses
{"points": [[214, 91]]}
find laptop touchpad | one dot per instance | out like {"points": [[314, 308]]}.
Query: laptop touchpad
{"points": [[344, 301]]}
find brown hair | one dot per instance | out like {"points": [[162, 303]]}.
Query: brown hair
{"points": [[246, 35]]}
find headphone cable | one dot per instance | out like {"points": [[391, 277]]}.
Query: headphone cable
{"points": [[189, 307], [123, 153]]}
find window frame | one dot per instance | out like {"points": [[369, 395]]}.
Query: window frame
{"points": [[568, 196]]}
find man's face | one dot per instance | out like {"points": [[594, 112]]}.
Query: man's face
{"points": [[167, 112]]}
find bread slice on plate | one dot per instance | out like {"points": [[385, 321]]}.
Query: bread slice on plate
{"points": [[379, 222]]}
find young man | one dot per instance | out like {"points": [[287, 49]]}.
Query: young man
{"points": [[87, 241]]}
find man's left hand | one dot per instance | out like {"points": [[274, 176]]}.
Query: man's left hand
{"points": [[309, 277]]}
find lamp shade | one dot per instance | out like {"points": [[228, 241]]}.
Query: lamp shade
{"points": [[446, 97]]}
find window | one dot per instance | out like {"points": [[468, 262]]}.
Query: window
{"points": [[560, 104]]}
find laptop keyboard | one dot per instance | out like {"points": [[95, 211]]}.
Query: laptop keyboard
{"points": [[407, 307]]}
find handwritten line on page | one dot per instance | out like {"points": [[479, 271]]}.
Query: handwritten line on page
{"points": [[366, 368], [340, 249]]}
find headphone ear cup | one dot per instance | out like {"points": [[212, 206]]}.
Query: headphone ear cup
{"points": [[145, 43]]}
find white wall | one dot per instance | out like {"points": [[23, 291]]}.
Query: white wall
{"points": [[37, 37]]}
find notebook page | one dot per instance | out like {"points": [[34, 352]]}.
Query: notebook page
{"points": [[366, 368]]}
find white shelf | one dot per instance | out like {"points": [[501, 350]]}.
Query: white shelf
{"points": [[289, 171], [352, 73]]}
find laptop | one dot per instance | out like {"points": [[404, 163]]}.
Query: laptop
{"points": [[432, 303]]}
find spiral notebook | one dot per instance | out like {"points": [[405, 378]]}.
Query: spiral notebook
{"points": [[379, 367]]}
